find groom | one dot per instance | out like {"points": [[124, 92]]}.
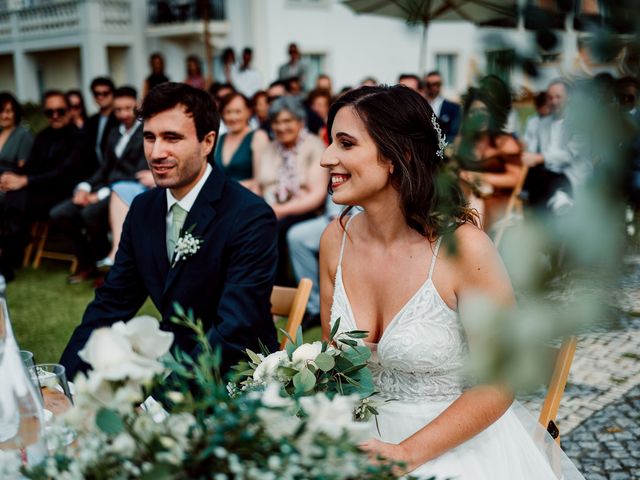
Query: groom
{"points": [[227, 281]]}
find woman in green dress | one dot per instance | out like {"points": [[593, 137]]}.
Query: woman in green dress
{"points": [[238, 151]]}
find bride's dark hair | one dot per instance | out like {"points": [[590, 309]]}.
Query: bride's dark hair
{"points": [[398, 120]]}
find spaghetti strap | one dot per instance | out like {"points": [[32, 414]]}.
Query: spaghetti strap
{"points": [[433, 259], [344, 237]]}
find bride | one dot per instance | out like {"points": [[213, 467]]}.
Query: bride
{"points": [[383, 270]]}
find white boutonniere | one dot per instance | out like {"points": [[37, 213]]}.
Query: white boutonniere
{"points": [[187, 245]]}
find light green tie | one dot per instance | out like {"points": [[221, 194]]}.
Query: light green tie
{"points": [[179, 216]]}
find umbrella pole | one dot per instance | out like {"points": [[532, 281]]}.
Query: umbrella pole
{"points": [[423, 50]]}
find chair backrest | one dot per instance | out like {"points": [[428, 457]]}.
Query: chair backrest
{"points": [[557, 384], [292, 303]]}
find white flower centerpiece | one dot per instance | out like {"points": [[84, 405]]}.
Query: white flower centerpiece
{"points": [[334, 367], [206, 433]]}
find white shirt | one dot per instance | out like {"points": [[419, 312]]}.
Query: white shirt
{"points": [[436, 104], [188, 200], [247, 81], [125, 136], [564, 151]]}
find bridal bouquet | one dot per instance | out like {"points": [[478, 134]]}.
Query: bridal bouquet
{"points": [[196, 430], [334, 367]]}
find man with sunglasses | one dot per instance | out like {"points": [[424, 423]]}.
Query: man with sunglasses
{"points": [[448, 113], [99, 125], [55, 164]]}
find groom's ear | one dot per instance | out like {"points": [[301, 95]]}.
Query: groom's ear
{"points": [[208, 142]]}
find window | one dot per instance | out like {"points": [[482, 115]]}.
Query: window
{"points": [[447, 65], [500, 63], [315, 63]]}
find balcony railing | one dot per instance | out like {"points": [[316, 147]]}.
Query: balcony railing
{"points": [[26, 19], [181, 11]]}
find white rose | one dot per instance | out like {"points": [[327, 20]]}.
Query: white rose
{"points": [[269, 365], [278, 423], [332, 417], [306, 352], [111, 355], [145, 336], [124, 444], [271, 397]]}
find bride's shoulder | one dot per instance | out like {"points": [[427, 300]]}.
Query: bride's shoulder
{"points": [[470, 246], [332, 236]]}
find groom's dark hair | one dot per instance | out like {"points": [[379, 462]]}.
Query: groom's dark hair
{"points": [[198, 103]]}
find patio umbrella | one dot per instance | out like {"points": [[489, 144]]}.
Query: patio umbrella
{"points": [[496, 13]]}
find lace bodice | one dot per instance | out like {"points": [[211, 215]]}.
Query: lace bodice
{"points": [[421, 353]]}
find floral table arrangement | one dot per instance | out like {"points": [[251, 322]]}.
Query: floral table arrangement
{"points": [[197, 430], [334, 367]]}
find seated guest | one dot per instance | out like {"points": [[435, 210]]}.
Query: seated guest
{"points": [[489, 157], [410, 80], [319, 101], [247, 80], [227, 282], [448, 113], [542, 110], [122, 195], [239, 150], [323, 82], [76, 108], [99, 125], [15, 146], [84, 216], [290, 178], [56, 162], [555, 156], [260, 106]]}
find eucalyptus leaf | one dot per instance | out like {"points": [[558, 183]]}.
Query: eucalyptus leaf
{"points": [[334, 329], [325, 362], [109, 421], [304, 380], [254, 358], [346, 341]]}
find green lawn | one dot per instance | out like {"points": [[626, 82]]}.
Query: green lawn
{"points": [[44, 310]]}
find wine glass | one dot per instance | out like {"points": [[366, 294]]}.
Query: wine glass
{"points": [[27, 359], [51, 378]]}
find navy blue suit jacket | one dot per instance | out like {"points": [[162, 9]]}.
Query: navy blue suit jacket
{"points": [[227, 282], [449, 120]]}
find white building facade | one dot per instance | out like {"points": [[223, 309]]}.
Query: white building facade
{"points": [[63, 44]]}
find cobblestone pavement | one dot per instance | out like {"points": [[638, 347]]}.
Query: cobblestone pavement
{"points": [[599, 416]]}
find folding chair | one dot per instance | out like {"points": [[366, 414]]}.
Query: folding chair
{"points": [[40, 235], [557, 384], [291, 303]]}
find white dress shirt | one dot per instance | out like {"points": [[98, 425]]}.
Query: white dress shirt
{"points": [[436, 105]]}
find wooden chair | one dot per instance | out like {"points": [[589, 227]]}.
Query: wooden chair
{"points": [[557, 384], [291, 303], [39, 237], [514, 204]]}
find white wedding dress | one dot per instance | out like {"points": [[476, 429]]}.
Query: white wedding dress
{"points": [[418, 363]]}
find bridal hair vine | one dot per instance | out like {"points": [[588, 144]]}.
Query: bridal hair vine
{"points": [[442, 142]]}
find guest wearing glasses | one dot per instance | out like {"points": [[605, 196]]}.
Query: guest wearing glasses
{"points": [[448, 113], [76, 108], [290, 178], [55, 163], [99, 125]]}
